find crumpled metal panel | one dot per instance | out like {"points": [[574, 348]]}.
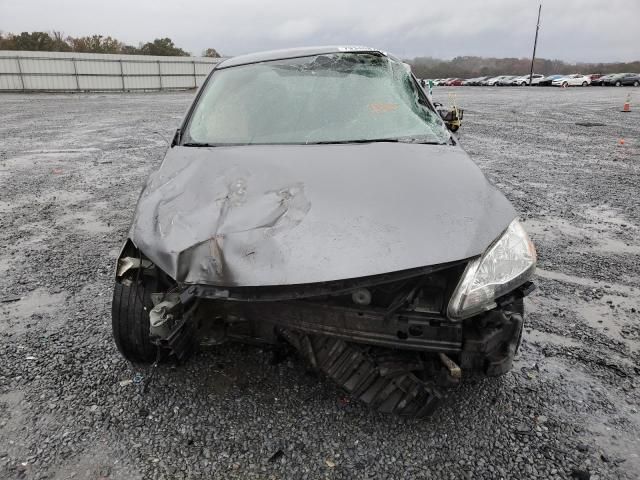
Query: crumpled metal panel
{"points": [[293, 214]]}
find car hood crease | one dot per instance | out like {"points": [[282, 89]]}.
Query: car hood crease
{"points": [[294, 214]]}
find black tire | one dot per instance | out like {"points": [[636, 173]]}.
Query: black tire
{"points": [[618, 84], [636, 83], [584, 84], [130, 319], [383, 379]]}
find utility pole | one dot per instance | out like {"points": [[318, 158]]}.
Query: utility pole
{"points": [[535, 44]]}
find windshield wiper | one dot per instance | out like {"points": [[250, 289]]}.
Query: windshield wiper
{"points": [[198, 144], [338, 142]]}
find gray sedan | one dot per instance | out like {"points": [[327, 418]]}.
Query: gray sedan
{"points": [[315, 198]]}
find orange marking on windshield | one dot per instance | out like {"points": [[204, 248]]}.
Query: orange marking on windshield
{"points": [[382, 107]]}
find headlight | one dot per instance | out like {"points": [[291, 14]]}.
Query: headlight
{"points": [[508, 263]]}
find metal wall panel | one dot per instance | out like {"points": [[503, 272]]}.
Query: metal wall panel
{"points": [[68, 71], [147, 83], [37, 65], [138, 68], [100, 83], [10, 82], [9, 65], [178, 82], [88, 67], [49, 82]]}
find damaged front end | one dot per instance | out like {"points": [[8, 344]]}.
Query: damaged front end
{"points": [[386, 339]]}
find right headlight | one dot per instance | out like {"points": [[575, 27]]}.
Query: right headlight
{"points": [[508, 263]]}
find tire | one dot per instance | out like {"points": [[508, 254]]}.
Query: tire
{"points": [[584, 84], [565, 85], [383, 379], [130, 319], [618, 84], [636, 83]]}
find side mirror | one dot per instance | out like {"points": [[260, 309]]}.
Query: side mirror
{"points": [[452, 118]]}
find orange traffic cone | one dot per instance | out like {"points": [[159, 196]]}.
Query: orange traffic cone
{"points": [[627, 104]]}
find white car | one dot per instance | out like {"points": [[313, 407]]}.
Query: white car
{"points": [[575, 80], [537, 78], [523, 81], [494, 81]]}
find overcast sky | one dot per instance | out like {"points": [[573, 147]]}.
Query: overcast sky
{"points": [[574, 30]]}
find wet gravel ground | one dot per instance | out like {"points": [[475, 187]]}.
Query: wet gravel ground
{"points": [[71, 167]]}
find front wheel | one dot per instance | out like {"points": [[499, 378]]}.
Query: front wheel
{"points": [[565, 85], [584, 84], [636, 83], [130, 318], [618, 84]]}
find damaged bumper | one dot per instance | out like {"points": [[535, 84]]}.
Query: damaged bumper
{"points": [[401, 311]]}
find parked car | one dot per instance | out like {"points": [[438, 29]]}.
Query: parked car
{"points": [[631, 80], [523, 80], [494, 81], [515, 81], [546, 81], [600, 81], [454, 82], [537, 78], [618, 79], [505, 80], [594, 77], [574, 80], [473, 81], [251, 230], [478, 81]]}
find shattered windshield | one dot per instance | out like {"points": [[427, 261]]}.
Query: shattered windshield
{"points": [[331, 98]]}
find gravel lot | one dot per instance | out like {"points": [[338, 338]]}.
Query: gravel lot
{"points": [[71, 167]]}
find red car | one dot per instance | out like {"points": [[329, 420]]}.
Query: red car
{"points": [[455, 82]]}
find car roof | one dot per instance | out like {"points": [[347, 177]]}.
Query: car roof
{"points": [[295, 53]]}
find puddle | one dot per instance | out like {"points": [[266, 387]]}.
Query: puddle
{"points": [[63, 197], [619, 443], [585, 390], [607, 320], [605, 214], [583, 281], [28, 160], [85, 221], [536, 336], [15, 317], [600, 235], [614, 245]]}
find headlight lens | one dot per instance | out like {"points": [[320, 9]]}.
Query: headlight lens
{"points": [[508, 263]]}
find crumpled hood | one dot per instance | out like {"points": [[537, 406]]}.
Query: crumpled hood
{"points": [[292, 214]]}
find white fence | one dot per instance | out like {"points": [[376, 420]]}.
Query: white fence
{"points": [[80, 72]]}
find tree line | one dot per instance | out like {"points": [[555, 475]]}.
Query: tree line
{"points": [[58, 42], [467, 67]]}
